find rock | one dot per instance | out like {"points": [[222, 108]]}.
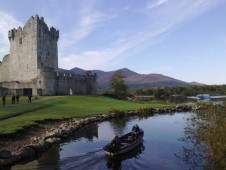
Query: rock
{"points": [[26, 152], [11, 161], [5, 154], [44, 145], [53, 140], [36, 147]]}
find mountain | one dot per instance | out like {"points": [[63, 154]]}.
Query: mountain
{"points": [[133, 79], [196, 83], [77, 70]]}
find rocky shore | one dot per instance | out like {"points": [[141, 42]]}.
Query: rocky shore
{"points": [[37, 140]]}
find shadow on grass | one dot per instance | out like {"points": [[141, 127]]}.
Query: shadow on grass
{"points": [[12, 115]]}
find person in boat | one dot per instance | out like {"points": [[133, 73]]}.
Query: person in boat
{"points": [[115, 143], [135, 128], [135, 131]]}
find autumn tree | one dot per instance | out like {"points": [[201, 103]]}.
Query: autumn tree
{"points": [[118, 85]]}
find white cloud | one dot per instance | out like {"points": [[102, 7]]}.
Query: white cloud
{"points": [[88, 59], [167, 20], [155, 3], [7, 22], [88, 19], [86, 25]]}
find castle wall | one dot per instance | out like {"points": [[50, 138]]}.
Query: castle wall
{"points": [[47, 81], [15, 87], [72, 84]]}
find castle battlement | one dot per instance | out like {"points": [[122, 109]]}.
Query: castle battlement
{"points": [[37, 24], [15, 33], [71, 75]]}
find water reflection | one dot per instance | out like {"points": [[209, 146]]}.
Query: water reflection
{"points": [[89, 132], [82, 161], [119, 125], [48, 160], [83, 150], [115, 162], [193, 152]]}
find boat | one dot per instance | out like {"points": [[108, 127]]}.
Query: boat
{"points": [[127, 143], [203, 96]]}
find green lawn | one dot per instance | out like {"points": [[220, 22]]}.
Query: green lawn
{"points": [[61, 107]]}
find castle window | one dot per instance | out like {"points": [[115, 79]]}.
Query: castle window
{"points": [[20, 40]]}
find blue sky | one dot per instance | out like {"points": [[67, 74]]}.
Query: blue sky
{"points": [[184, 39]]}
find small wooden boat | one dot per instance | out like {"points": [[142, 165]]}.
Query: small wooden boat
{"points": [[127, 142]]}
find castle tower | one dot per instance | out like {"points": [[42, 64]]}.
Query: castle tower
{"points": [[32, 65], [32, 48]]}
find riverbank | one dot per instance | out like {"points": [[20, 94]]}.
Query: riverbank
{"points": [[18, 117], [16, 141], [34, 142]]}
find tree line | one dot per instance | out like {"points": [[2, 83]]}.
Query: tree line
{"points": [[120, 90], [186, 91]]}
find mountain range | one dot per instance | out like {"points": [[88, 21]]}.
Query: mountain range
{"points": [[133, 79]]}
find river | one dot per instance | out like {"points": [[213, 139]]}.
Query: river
{"points": [[161, 148]]}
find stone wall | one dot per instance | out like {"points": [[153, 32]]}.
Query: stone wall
{"points": [[75, 84]]}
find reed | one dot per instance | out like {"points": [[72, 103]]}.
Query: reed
{"points": [[210, 130]]}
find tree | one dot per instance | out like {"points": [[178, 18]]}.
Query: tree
{"points": [[118, 85]]}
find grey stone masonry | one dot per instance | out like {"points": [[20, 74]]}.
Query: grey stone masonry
{"points": [[32, 65]]}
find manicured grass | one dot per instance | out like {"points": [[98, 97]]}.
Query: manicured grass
{"points": [[61, 107]]}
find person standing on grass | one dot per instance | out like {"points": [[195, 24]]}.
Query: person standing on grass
{"points": [[29, 98], [13, 99], [3, 100], [17, 98]]}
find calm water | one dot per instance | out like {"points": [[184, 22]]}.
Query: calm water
{"points": [[84, 149]]}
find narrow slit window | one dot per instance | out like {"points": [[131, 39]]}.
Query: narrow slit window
{"points": [[20, 40]]}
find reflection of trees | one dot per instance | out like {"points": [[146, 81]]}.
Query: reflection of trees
{"points": [[50, 158], [193, 150], [144, 116], [119, 125], [88, 131], [115, 162]]}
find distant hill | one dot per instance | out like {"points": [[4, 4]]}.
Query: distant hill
{"points": [[196, 83], [135, 80]]}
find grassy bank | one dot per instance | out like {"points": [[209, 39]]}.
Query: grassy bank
{"points": [[61, 107]]}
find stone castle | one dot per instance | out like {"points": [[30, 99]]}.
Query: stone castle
{"points": [[32, 65]]}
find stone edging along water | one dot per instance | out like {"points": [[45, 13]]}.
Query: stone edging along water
{"points": [[54, 136]]}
